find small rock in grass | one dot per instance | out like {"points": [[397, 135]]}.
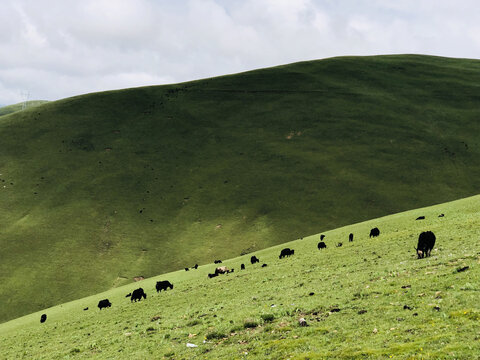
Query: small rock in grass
{"points": [[189, 345], [375, 331]]}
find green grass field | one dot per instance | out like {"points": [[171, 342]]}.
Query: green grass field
{"points": [[357, 309], [100, 188]]}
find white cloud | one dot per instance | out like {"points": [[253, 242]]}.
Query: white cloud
{"points": [[55, 48]]}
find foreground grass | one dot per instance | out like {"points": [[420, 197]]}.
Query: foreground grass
{"points": [[356, 309], [98, 189]]}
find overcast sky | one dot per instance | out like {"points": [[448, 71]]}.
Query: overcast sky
{"points": [[58, 48]]}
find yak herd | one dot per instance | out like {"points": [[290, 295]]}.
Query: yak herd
{"points": [[426, 242]]}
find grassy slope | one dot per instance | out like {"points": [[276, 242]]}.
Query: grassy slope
{"points": [[375, 277], [5, 110], [369, 136]]}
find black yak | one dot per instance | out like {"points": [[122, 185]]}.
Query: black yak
{"points": [[212, 275], [426, 241], [264, 265], [137, 295], [254, 259], [321, 245], [186, 269], [286, 252], [322, 237], [217, 262], [43, 318], [420, 218], [350, 237], [104, 304], [242, 267], [374, 232], [339, 244], [196, 266], [163, 285]]}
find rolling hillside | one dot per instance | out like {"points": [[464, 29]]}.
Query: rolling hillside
{"points": [[101, 188], [5, 110], [369, 299]]}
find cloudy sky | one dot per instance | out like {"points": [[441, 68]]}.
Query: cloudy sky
{"points": [[58, 48]]}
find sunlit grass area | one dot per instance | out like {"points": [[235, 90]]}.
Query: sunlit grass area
{"points": [[370, 298]]}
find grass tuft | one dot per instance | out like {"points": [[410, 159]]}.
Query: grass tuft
{"points": [[250, 324], [267, 317]]}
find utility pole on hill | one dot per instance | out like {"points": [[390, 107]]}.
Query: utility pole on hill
{"points": [[25, 95]]}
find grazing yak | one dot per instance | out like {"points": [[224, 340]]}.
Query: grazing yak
{"points": [[137, 295], [321, 245], [350, 237], [186, 269], [286, 252], [217, 262], [264, 265], [163, 285], [196, 266], [374, 232], [426, 241], [223, 270], [43, 318], [242, 267], [212, 275], [254, 259], [339, 244], [322, 237], [420, 218], [104, 304]]}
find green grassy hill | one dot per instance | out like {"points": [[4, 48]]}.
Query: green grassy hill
{"points": [[100, 188], [5, 110], [370, 298]]}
